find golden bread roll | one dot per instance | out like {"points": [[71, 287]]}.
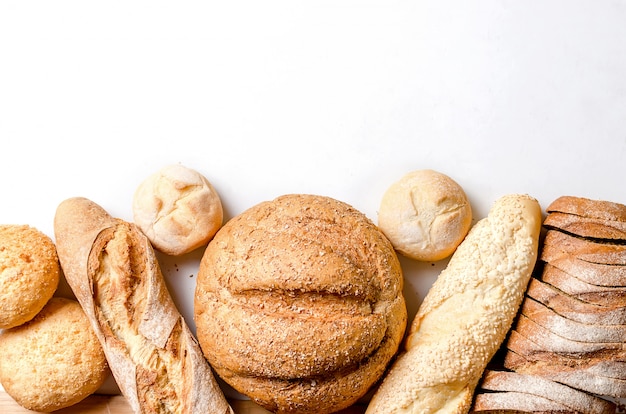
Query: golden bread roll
{"points": [[299, 304], [53, 361], [178, 209], [425, 215], [112, 270], [466, 315], [29, 273]]}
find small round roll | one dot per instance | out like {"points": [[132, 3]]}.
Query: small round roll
{"points": [[53, 361], [29, 273], [425, 215], [178, 209]]}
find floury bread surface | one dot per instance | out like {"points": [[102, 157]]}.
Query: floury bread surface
{"points": [[52, 361], [112, 270], [465, 316], [299, 304]]}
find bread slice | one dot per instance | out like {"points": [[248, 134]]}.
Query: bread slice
{"points": [[538, 386], [587, 227], [517, 401], [558, 242], [593, 273], [591, 379], [523, 355], [466, 314], [574, 308], [112, 269], [585, 207], [549, 341], [569, 284], [570, 329]]}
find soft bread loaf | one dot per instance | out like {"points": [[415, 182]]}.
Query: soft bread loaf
{"points": [[299, 304], [112, 270], [466, 314]]}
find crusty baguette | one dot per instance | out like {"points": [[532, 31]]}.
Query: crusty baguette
{"points": [[465, 316], [111, 268]]}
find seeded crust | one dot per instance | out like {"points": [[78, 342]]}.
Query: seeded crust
{"points": [[299, 304], [425, 215], [29, 273], [112, 270], [574, 400], [53, 361], [466, 315]]}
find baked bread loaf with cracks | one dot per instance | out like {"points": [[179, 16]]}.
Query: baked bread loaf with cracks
{"points": [[112, 269], [299, 304]]}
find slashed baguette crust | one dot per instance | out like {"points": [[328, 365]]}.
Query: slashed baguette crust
{"points": [[111, 268], [466, 314]]}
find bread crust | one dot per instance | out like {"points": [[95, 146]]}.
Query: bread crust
{"points": [[574, 308], [465, 316], [112, 270], [425, 215], [178, 209], [577, 401], [29, 273], [584, 207], [54, 360], [306, 293]]}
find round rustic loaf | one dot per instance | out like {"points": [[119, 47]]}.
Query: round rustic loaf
{"points": [[29, 273], [299, 304], [53, 361]]}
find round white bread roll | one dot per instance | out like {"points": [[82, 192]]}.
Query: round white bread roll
{"points": [[299, 304], [178, 209], [425, 215]]}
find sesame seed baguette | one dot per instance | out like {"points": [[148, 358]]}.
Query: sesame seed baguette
{"points": [[111, 268], [465, 316]]}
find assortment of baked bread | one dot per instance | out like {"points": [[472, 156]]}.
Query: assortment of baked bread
{"points": [[299, 304]]}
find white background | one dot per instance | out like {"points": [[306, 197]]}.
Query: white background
{"points": [[339, 98]]}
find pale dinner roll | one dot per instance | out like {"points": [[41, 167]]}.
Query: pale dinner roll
{"points": [[29, 273], [425, 215], [299, 304], [53, 361], [178, 209]]}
